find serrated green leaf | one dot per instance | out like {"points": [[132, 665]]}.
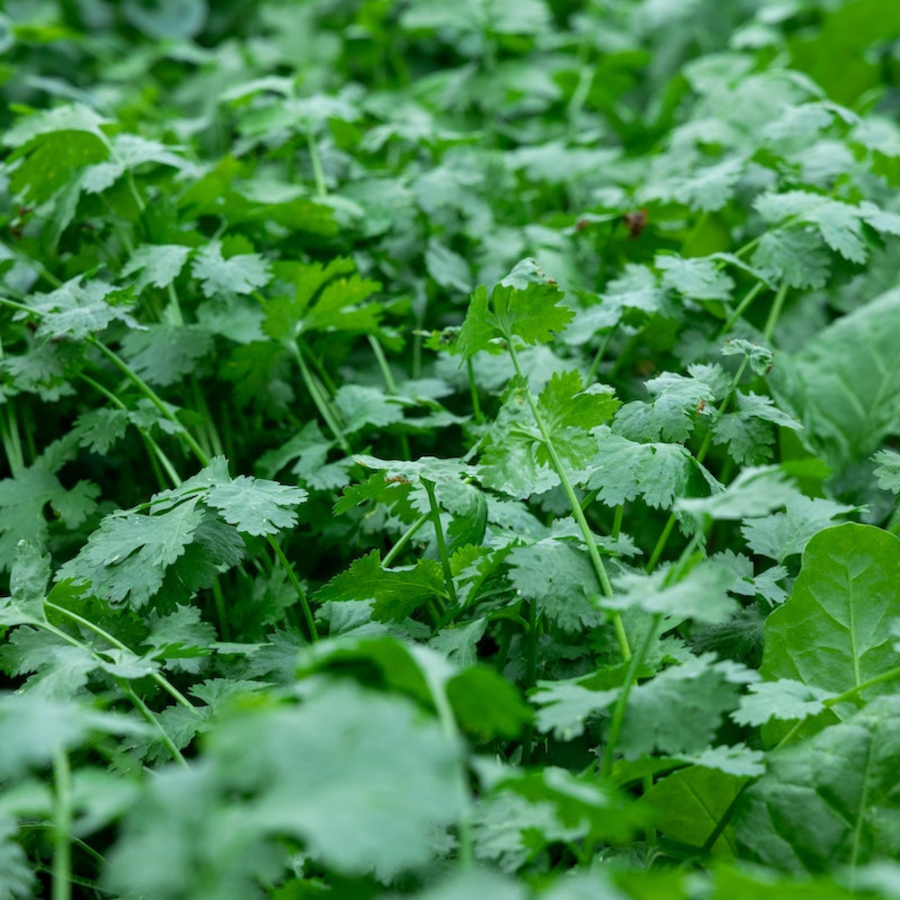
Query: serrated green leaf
{"points": [[78, 310], [783, 698], [888, 470], [795, 257], [838, 223], [754, 493], [700, 595], [784, 534], [240, 274], [396, 593], [680, 710], [531, 312], [157, 264], [559, 577], [623, 470], [163, 354], [697, 279]]}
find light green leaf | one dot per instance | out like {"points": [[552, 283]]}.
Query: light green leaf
{"points": [[623, 470], [240, 274], [888, 470], [158, 264], [755, 492], [697, 279], [78, 310], [784, 699], [558, 575], [784, 534], [680, 710]]}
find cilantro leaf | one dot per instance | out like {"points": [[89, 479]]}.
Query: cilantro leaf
{"points": [[560, 578], [78, 310], [239, 274], [623, 470], [157, 264], [531, 312]]}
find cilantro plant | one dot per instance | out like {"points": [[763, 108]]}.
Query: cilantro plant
{"points": [[449, 449]]}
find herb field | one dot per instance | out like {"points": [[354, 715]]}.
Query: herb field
{"points": [[448, 449]]}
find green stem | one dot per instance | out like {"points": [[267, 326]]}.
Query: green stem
{"points": [[163, 682], [391, 385], [473, 390], [775, 312], [322, 403], [601, 352], [748, 298], [442, 544], [151, 395], [155, 449], [701, 456], [62, 826], [405, 538], [617, 521], [147, 713], [12, 440], [221, 610], [618, 716], [577, 512], [298, 588]]}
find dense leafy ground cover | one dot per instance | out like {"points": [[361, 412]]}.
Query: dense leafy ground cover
{"points": [[447, 449]]}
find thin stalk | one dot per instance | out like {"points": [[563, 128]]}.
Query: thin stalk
{"points": [[589, 499], [386, 373], [157, 452], [601, 352], [62, 826], [405, 538], [618, 715], [151, 395], [701, 455], [473, 390], [577, 512], [298, 588], [322, 403], [748, 298], [125, 687], [442, 544], [221, 610], [617, 521], [163, 682], [12, 439], [775, 312], [209, 425], [175, 306], [389, 382], [148, 714]]}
